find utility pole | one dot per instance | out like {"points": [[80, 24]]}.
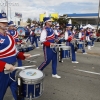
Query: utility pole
{"points": [[98, 16], [7, 7], [10, 13]]}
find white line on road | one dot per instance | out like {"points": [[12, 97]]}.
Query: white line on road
{"points": [[87, 71]]}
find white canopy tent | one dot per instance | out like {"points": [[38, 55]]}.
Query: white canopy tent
{"points": [[89, 26]]}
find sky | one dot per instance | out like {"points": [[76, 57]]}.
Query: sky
{"points": [[33, 8]]}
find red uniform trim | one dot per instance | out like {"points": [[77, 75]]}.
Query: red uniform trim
{"points": [[2, 66], [47, 43], [21, 56]]}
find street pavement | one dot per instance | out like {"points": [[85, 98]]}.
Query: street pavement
{"points": [[79, 81]]}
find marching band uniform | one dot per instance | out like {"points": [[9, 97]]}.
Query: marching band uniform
{"points": [[88, 38], [92, 37], [57, 31], [8, 56], [82, 38], [14, 34], [27, 31], [58, 34], [38, 32], [12, 31], [69, 38], [48, 38], [33, 37]]}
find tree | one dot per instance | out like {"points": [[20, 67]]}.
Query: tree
{"points": [[29, 20]]}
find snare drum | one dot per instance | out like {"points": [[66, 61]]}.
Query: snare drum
{"points": [[25, 49], [19, 48], [80, 45], [31, 47], [65, 51], [32, 83]]}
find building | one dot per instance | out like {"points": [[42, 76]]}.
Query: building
{"points": [[85, 18]]}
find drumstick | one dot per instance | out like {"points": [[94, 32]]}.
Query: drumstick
{"points": [[30, 61], [77, 39], [56, 45], [59, 44], [34, 55], [22, 67]]}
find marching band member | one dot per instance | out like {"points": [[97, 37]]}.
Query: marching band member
{"points": [[92, 37], [88, 38], [38, 32], [27, 31], [58, 33], [14, 34], [12, 31], [82, 39], [48, 39], [33, 37], [68, 39], [56, 30], [8, 56]]}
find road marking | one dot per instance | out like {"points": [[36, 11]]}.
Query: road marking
{"points": [[87, 71]]}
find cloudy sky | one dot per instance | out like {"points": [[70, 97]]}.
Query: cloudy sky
{"points": [[32, 8]]}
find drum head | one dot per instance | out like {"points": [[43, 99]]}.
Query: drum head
{"points": [[31, 74], [80, 42], [65, 47], [21, 31]]}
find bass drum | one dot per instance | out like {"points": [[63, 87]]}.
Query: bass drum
{"points": [[21, 31]]}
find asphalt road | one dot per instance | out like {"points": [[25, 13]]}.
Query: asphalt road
{"points": [[79, 81]]}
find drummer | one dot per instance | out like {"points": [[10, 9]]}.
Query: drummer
{"points": [[33, 36], [38, 32], [92, 37], [56, 30], [8, 55], [48, 38], [11, 30], [88, 38], [69, 38], [82, 39], [14, 34]]}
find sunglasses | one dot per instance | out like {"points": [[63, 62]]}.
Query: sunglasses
{"points": [[49, 21]]}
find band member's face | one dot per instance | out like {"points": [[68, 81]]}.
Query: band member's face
{"points": [[57, 27], [69, 28], [11, 27], [88, 29], [3, 25], [14, 28], [49, 23]]}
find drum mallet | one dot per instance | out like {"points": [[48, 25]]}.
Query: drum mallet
{"points": [[22, 67]]}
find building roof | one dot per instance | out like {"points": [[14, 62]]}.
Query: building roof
{"points": [[86, 15]]}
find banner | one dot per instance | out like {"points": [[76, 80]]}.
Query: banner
{"points": [[19, 15], [41, 17], [54, 15]]}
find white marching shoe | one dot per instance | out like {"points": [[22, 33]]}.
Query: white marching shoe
{"points": [[84, 53], [89, 47], [75, 62], [56, 76], [37, 68], [37, 47]]}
